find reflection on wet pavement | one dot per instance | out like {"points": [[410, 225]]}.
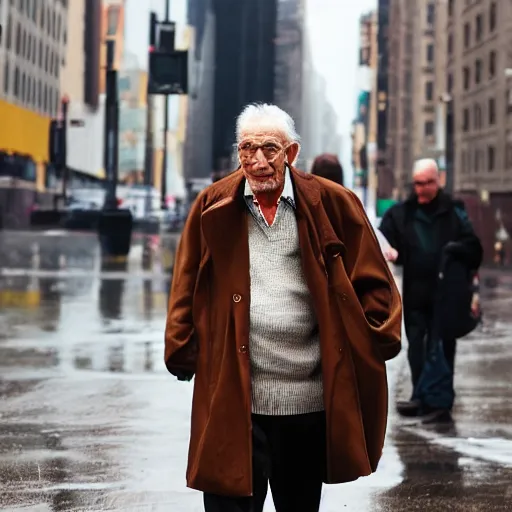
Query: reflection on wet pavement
{"points": [[91, 421]]}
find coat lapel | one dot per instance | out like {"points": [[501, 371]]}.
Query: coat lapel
{"points": [[225, 231]]}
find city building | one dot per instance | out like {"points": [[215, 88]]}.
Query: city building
{"points": [[385, 175], [198, 157], [364, 128], [424, 95], [400, 93], [34, 43], [132, 120], [112, 28], [289, 58], [32, 50], [318, 120], [245, 53], [479, 37], [79, 84]]}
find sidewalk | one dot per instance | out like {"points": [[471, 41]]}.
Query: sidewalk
{"points": [[466, 466]]}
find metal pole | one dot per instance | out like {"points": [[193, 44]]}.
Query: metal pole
{"points": [[148, 160], [64, 168], [111, 129], [449, 146], [166, 129]]}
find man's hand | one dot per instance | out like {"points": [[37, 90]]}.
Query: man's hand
{"points": [[391, 254]]}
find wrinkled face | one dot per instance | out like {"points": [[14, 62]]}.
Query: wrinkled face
{"points": [[426, 185], [262, 155]]}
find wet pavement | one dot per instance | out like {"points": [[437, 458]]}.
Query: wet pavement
{"points": [[91, 421]]}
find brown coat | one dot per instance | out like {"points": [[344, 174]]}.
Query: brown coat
{"points": [[358, 309]]}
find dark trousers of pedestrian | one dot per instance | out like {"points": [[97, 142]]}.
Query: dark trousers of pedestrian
{"points": [[289, 452], [418, 327]]}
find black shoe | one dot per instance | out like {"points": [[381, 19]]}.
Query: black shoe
{"points": [[409, 408], [436, 416]]}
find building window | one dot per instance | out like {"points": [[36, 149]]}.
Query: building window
{"points": [[450, 7], [6, 77], [429, 128], [430, 53], [478, 71], [23, 88], [479, 27], [449, 83], [431, 14], [466, 78], [492, 64], [491, 158], [508, 100], [18, 39], [467, 35], [8, 34], [465, 123], [429, 91], [112, 20], [477, 117], [449, 44], [16, 82], [509, 155], [408, 81], [492, 111], [492, 17]]}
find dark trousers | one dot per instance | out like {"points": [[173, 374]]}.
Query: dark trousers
{"points": [[418, 325], [289, 452]]}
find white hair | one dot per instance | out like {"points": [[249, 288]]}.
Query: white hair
{"points": [[424, 163], [265, 116]]}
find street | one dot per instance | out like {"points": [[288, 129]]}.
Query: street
{"points": [[91, 421]]}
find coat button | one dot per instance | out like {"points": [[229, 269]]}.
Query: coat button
{"points": [[237, 298], [243, 349], [344, 296]]}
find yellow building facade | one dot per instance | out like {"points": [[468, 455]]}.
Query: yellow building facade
{"points": [[24, 131]]}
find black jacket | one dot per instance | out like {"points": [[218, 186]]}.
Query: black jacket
{"points": [[420, 235]]}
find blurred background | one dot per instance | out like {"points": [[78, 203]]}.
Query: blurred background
{"points": [[115, 114]]}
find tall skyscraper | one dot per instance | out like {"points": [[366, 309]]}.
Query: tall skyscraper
{"points": [[289, 58], [245, 53], [112, 28], [198, 144]]}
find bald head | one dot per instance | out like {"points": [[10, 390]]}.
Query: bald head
{"points": [[426, 180]]}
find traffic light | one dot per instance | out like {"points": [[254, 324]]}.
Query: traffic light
{"points": [[57, 143], [168, 68], [168, 72]]}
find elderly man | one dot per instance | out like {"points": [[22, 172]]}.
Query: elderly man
{"points": [[285, 310], [419, 230]]}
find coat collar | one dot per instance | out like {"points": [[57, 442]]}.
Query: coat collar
{"points": [[231, 189], [287, 194], [226, 207]]}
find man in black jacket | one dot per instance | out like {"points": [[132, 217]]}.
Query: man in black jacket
{"points": [[418, 231]]}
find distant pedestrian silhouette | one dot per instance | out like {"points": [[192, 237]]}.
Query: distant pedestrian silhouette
{"points": [[328, 166]]}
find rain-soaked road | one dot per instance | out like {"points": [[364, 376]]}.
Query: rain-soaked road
{"points": [[91, 421]]}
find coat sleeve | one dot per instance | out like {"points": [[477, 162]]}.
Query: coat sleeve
{"points": [[467, 246], [390, 229], [375, 286], [180, 345]]}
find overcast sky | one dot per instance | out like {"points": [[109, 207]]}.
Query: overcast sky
{"points": [[334, 28]]}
